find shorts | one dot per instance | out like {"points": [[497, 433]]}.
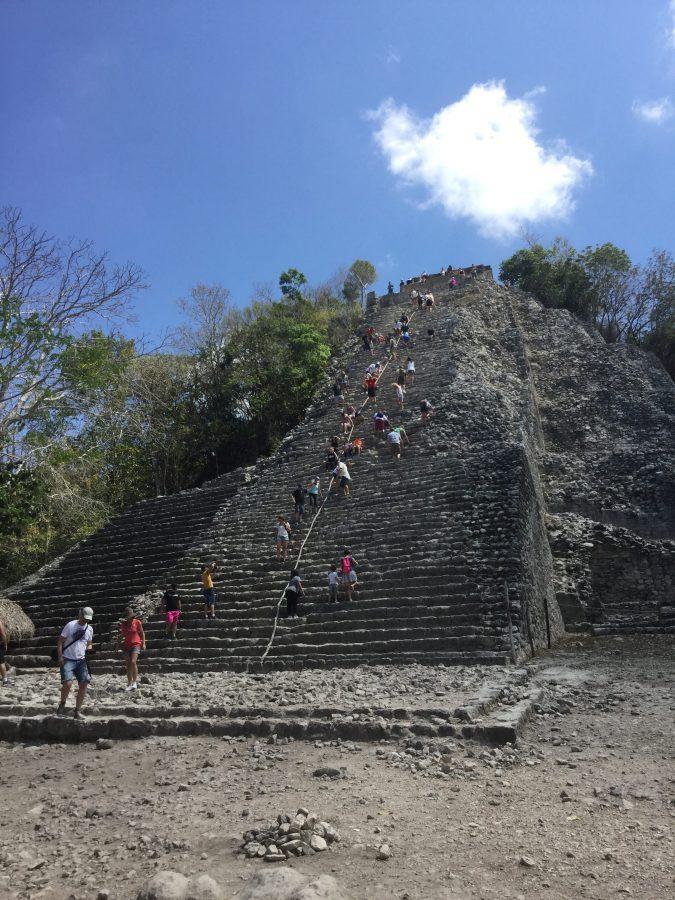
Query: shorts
{"points": [[209, 596], [379, 425], [131, 651], [372, 391], [283, 539], [75, 669], [173, 615], [406, 337], [344, 480], [299, 508]]}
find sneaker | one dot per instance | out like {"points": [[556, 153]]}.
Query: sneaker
{"points": [[134, 686], [128, 688], [78, 715], [61, 710]]}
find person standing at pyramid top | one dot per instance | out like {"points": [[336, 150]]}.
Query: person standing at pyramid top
{"points": [[208, 590]]}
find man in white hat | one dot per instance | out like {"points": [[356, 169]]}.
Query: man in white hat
{"points": [[71, 649]]}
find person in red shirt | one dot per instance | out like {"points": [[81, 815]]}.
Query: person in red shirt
{"points": [[371, 386], [132, 636]]}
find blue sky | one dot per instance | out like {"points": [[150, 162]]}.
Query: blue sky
{"points": [[219, 141]]}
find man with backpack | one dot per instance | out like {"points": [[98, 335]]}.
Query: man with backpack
{"points": [[71, 649], [348, 575]]}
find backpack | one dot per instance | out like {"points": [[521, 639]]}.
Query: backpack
{"points": [[346, 565]]}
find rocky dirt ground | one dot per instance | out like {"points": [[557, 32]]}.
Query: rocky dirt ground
{"points": [[384, 685], [580, 807]]}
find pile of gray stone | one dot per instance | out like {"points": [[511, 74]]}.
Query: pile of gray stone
{"points": [[300, 835]]}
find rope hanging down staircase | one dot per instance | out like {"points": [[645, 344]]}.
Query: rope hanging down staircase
{"points": [[320, 509]]}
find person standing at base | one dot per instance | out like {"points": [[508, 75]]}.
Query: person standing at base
{"points": [[208, 590], [172, 610], [132, 637], [3, 654], [292, 594], [71, 651]]}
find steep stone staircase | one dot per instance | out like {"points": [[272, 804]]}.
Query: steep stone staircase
{"points": [[433, 534], [116, 564]]}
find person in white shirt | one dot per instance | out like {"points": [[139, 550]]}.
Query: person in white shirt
{"points": [[395, 438], [342, 472], [410, 371], [333, 584], [71, 649]]}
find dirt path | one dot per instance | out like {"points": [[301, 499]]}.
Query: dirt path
{"points": [[581, 808]]}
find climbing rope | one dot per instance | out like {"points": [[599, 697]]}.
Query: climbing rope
{"points": [[320, 509]]}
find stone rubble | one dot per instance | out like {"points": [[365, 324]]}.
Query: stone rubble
{"points": [[303, 834]]}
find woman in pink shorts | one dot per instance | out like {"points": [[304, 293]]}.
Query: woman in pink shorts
{"points": [[172, 610]]}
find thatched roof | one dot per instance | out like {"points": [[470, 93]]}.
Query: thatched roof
{"points": [[15, 620]]}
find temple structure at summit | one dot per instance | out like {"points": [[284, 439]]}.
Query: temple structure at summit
{"points": [[538, 501]]}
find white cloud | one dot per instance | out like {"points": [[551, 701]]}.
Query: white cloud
{"points": [[479, 158], [656, 112], [671, 27]]}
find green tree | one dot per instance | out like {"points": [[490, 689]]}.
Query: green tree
{"points": [[626, 302], [360, 275], [49, 293], [555, 275], [291, 283]]}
